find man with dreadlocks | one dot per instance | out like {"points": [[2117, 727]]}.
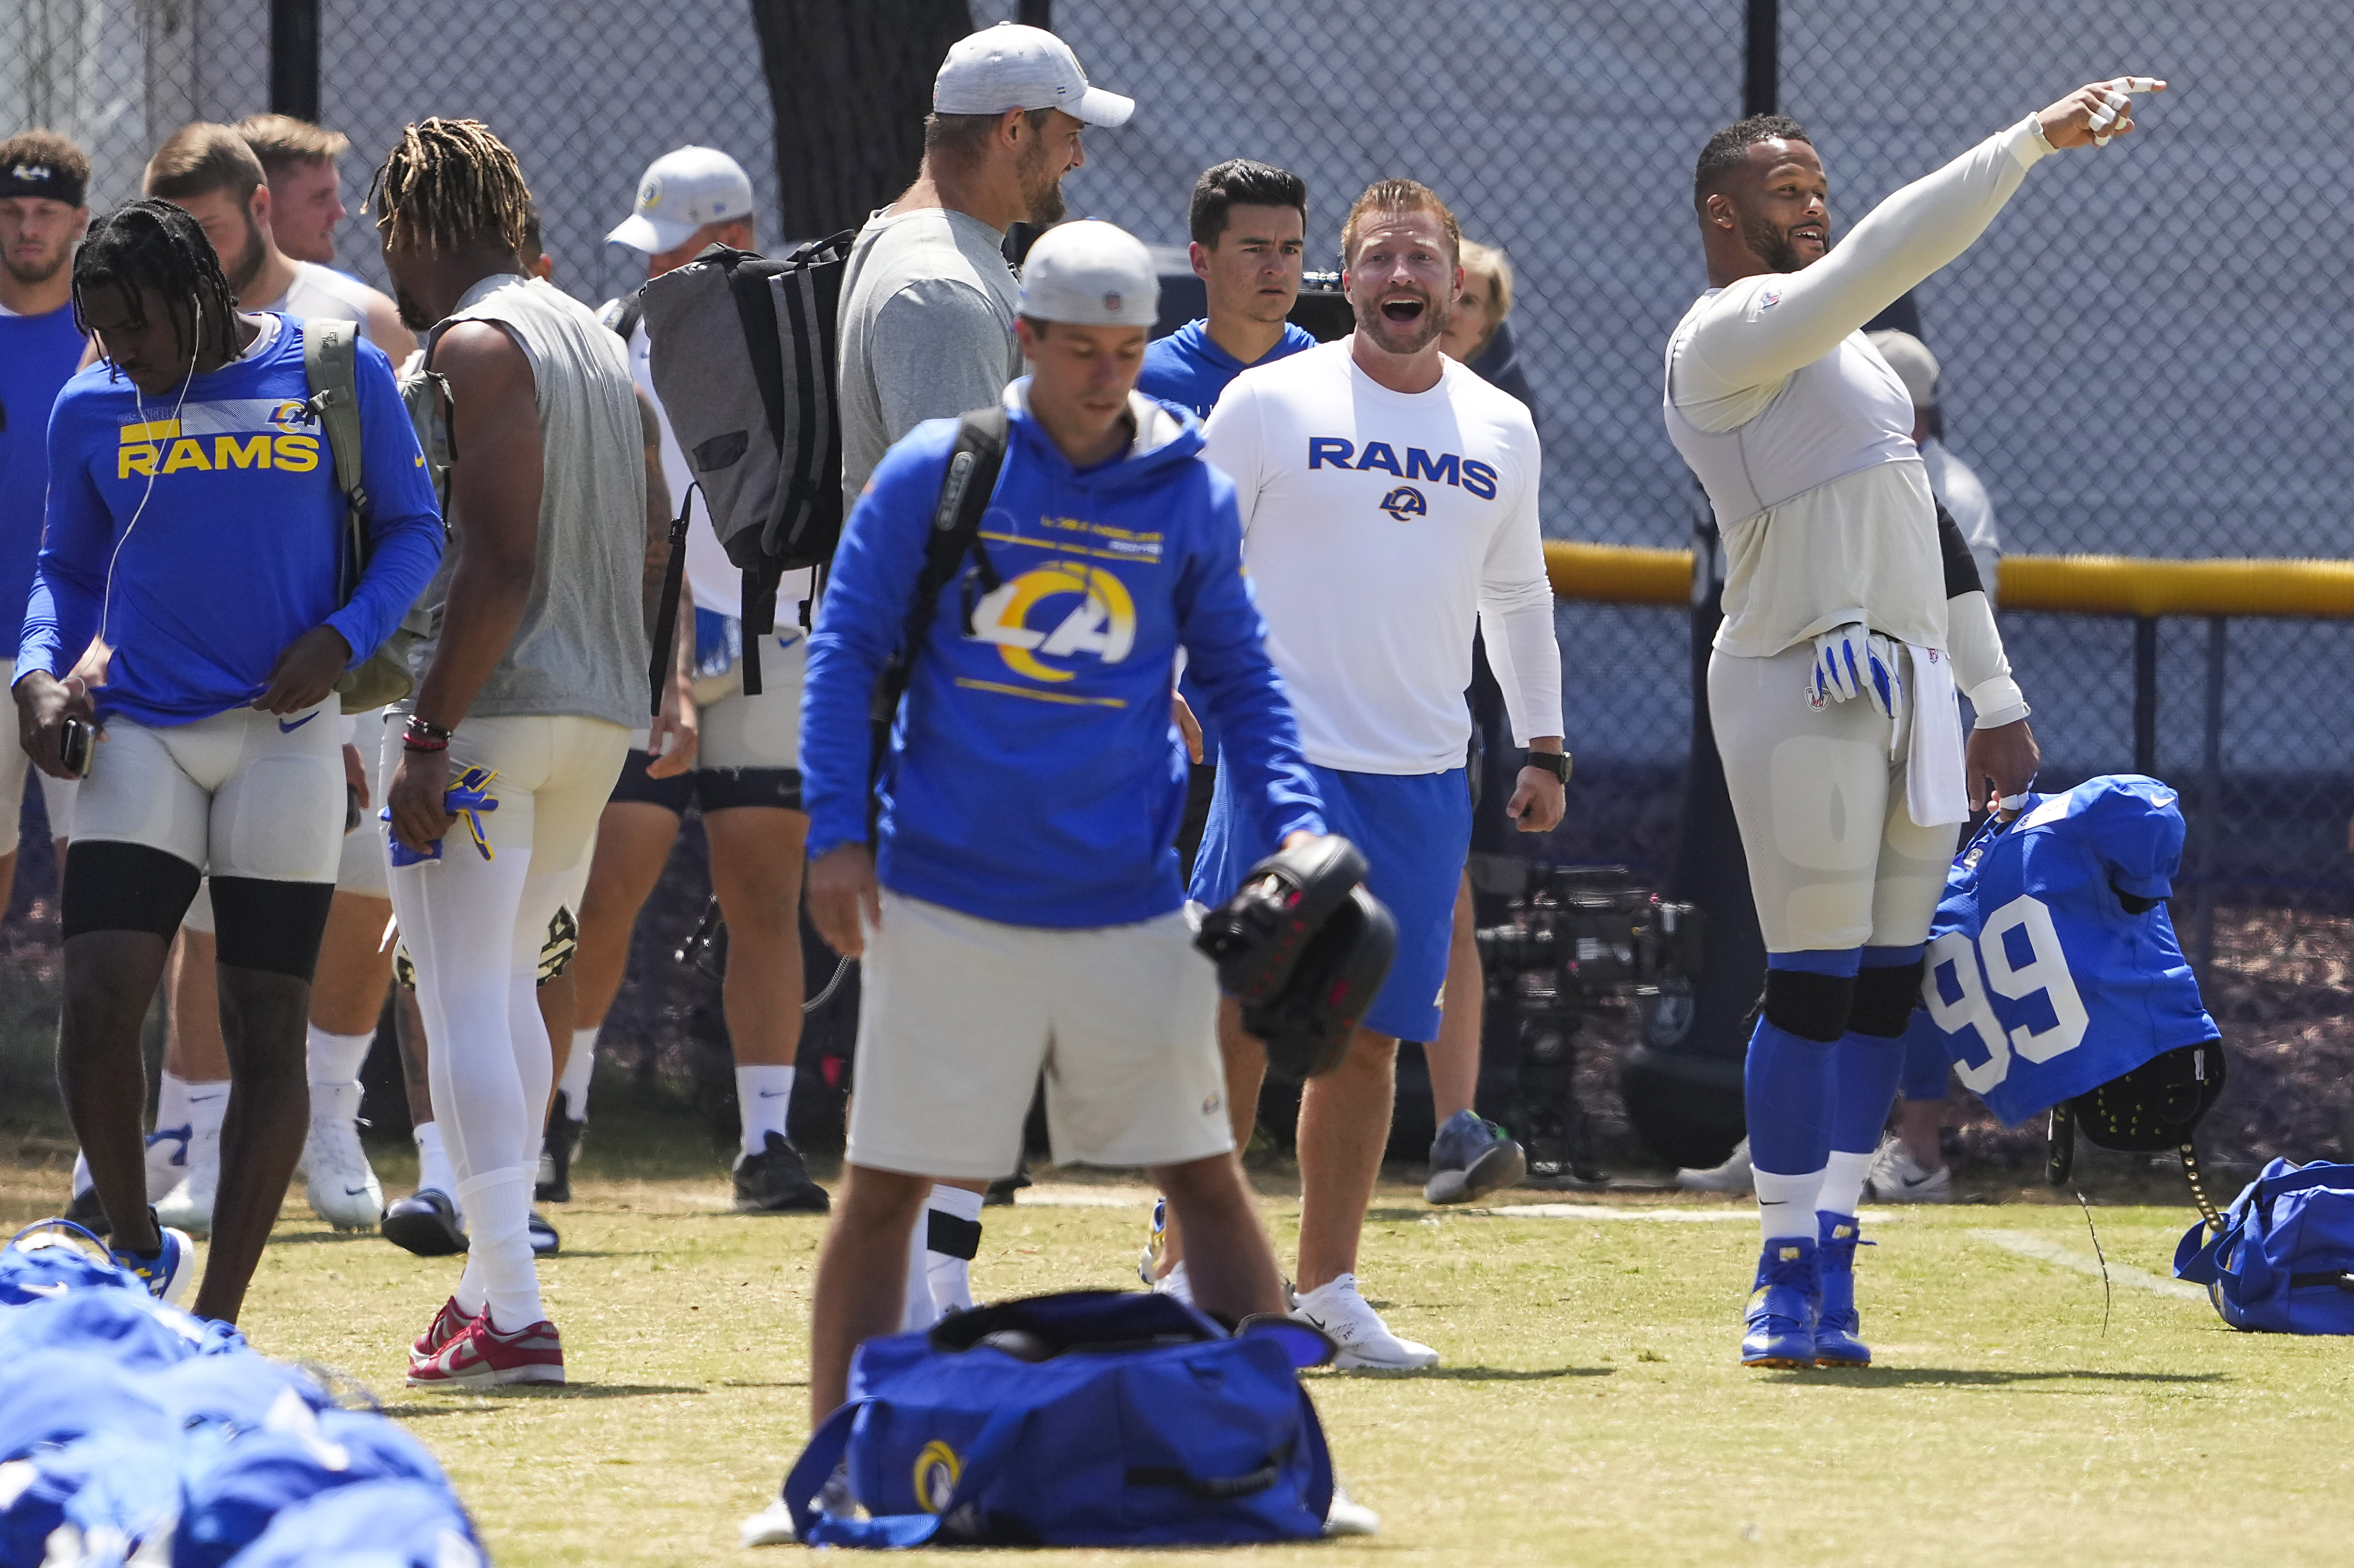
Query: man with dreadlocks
{"points": [[194, 526], [534, 674]]}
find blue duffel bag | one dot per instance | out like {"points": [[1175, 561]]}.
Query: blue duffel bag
{"points": [[2285, 1263], [1094, 1418]]}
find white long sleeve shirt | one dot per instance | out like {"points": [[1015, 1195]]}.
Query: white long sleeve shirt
{"points": [[1379, 529], [1802, 434]]}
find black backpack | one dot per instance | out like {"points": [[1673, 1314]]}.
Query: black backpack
{"points": [[743, 350]]}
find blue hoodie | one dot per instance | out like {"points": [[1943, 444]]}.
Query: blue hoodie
{"points": [[1036, 778], [1189, 369]]}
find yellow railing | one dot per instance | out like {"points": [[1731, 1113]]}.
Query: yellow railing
{"points": [[2088, 585]]}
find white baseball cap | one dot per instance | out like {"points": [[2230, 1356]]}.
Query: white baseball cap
{"points": [[1914, 364], [1013, 66], [1090, 273], [680, 192]]}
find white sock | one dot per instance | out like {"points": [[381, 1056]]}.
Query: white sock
{"points": [[763, 1095], [433, 1163], [1785, 1204], [171, 1101], [578, 1069], [335, 1070], [208, 1102], [918, 1313], [498, 1248], [951, 1279], [1842, 1187]]}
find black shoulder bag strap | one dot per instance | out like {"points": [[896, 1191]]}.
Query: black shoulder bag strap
{"points": [[658, 672], [965, 490]]}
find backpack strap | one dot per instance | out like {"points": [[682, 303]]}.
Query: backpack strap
{"points": [[331, 368], [966, 486], [665, 640]]}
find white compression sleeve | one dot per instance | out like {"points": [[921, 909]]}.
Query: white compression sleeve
{"points": [[1903, 240], [1516, 621], [1981, 668]]}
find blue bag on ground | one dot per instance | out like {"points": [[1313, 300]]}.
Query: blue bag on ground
{"points": [[1095, 1418], [2285, 1263], [376, 1524]]}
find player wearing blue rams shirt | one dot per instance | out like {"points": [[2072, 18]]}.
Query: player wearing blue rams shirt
{"points": [[1026, 914], [2052, 966], [42, 219], [195, 529]]}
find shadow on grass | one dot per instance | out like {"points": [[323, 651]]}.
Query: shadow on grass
{"points": [[1474, 1375], [1990, 1377], [492, 1398]]}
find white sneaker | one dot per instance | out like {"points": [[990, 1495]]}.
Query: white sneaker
{"points": [[1735, 1175], [1895, 1177], [188, 1206], [1363, 1340], [1349, 1517], [1175, 1283], [343, 1191]]}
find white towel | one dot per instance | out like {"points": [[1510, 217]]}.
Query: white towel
{"points": [[1935, 792]]}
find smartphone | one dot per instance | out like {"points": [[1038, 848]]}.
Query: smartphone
{"points": [[74, 746]]}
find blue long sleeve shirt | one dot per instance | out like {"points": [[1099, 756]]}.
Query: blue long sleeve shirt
{"points": [[202, 532], [38, 356], [1035, 777]]}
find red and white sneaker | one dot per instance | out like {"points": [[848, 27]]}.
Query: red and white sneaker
{"points": [[447, 1325], [478, 1356]]}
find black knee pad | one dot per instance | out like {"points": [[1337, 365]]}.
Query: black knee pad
{"points": [[274, 926], [1810, 1006], [1884, 1000], [951, 1236], [115, 886]]}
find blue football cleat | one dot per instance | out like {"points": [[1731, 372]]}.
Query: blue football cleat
{"points": [[1836, 1318], [169, 1272], [1470, 1158], [1779, 1328]]}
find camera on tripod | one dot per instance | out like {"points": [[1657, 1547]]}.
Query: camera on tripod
{"points": [[1576, 938]]}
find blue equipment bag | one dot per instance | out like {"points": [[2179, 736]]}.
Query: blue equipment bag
{"points": [[1093, 1418], [2285, 1261]]}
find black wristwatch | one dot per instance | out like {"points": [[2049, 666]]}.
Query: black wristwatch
{"points": [[1553, 762]]}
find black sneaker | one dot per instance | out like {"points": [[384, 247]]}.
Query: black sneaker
{"points": [[556, 1151], [543, 1239], [426, 1223], [1000, 1192], [88, 1213], [774, 1181]]}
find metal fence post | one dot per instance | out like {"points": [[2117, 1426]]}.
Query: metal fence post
{"points": [[2211, 796], [1038, 14], [1761, 77], [2144, 699], [294, 59]]}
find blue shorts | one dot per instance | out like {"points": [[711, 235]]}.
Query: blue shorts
{"points": [[1415, 830]]}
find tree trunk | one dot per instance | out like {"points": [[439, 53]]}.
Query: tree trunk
{"points": [[850, 81]]}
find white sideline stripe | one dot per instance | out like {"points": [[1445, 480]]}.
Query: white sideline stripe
{"points": [[1076, 1197], [1609, 1211], [2043, 1249]]}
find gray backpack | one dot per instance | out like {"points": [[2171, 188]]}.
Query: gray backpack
{"points": [[743, 357], [331, 366]]}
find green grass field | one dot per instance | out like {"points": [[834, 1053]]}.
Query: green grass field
{"points": [[1589, 1408]]}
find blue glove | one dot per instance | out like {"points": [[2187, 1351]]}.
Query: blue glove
{"points": [[1853, 660], [466, 800]]}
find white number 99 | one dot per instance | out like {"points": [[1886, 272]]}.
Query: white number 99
{"points": [[2046, 970]]}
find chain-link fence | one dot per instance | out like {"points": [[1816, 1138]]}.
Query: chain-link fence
{"points": [[2144, 356]]}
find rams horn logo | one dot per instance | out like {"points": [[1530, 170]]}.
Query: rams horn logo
{"points": [[291, 415], [1103, 621], [1405, 502], [938, 1469]]}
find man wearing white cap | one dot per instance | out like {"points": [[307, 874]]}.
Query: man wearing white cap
{"points": [[926, 332], [1025, 913], [734, 754], [927, 324]]}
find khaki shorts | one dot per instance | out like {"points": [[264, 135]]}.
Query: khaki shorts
{"points": [[243, 793], [960, 1016]]}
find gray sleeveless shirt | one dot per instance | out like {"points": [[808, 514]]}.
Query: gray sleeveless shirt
{"points": [[581, 647]]}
